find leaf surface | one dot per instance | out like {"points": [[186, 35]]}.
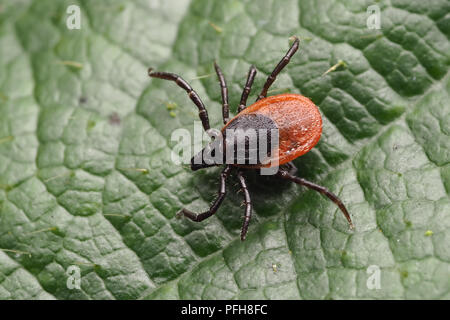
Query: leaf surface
{"points": [[86, 178]]}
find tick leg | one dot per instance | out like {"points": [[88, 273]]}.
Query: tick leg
{"points": [[286, 175], [278, 68], [248, 206], [203, 114], [224, 91], [216, 204], [291, 168], [248, 85]]}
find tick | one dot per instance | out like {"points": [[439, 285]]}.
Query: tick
{"points": [[296, 118]]}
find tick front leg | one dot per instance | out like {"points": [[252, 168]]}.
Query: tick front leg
{"points": [[216, 204], [203, 114], [286, 175], [248, 206], [248, 86], [224, 91], [278, 68]]}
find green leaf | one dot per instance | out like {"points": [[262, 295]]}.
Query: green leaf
{"points": [[86, 180]]}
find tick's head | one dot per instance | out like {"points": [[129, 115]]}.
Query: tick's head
{"points": [[210, 156], [198, 162]]}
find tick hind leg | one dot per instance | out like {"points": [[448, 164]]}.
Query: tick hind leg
{"points": [[278, 68], [286, 175], [224, 91], [203, 114], [290, 167], [216, 204], [248, 206], [248, 86]]}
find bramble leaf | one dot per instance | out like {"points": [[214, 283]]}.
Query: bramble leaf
{"points": [[87, 184]]}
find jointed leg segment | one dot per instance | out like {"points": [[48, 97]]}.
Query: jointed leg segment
{"points": [[224, 91], [248, 85], [203, 114], [216, 204], [278, 68], [286, 175], [248, 206]]}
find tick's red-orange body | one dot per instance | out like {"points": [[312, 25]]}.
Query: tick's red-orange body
{"points": [[297, 122]]}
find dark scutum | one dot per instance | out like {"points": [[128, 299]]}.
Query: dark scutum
{"points": [[244, 122], [256, 122]]}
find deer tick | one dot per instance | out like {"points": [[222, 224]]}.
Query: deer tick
{"points": [[296, 118]]}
